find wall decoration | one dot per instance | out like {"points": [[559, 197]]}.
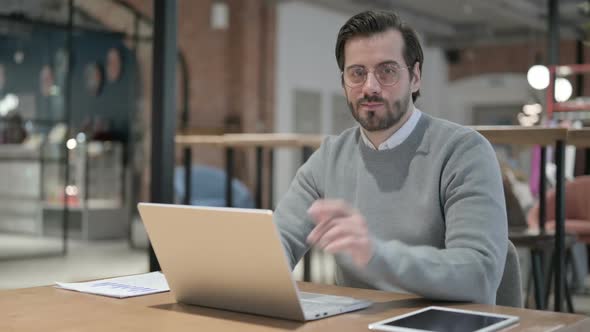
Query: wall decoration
{"points": [[94, 78], [114, 65], [46, 80], [2, 77], [61, 62]]}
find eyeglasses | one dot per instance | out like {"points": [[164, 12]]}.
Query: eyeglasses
{"points": [[387, 74]]}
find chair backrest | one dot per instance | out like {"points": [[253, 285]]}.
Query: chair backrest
{"points": [[577, 202], [208, 187], [509, 292], [515, 214]]}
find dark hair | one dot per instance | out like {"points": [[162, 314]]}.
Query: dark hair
{"points": [[372, 22]]}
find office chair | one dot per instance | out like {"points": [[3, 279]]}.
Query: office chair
{"points": [[208, 188], [537, 244], [577, 209], [577, 228], [509, 291]]}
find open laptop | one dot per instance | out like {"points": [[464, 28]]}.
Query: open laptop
{"points": [[230, 258]]}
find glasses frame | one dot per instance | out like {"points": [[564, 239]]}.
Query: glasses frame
{"points": [[376, 77]]}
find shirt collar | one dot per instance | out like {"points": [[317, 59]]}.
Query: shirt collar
{"points": [[399, 136]]}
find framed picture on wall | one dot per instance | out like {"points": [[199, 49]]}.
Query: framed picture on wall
{"points": [[94, 77], [46, 80], [2, 77], [61, 62], [114, 65]]}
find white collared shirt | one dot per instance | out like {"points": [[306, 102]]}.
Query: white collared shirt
{"points": [[399, 136]]}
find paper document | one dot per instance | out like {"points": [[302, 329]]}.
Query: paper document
{"points": [[121, 287]]}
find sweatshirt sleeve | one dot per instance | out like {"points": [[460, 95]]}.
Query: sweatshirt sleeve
{"points": [[291, 216], [470, 266]]}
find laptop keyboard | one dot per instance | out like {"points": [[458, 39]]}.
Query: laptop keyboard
{"points": [[312, 302], [326, 299], [309, 306], [320, 305]]}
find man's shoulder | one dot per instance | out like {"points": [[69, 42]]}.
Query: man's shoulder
{"points": [[441, 131], [445, 127], [346, 139]]}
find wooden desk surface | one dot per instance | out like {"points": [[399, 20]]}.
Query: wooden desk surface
{"points": [[522, 135], [495, 134], [579, 137], [501, 135], [276, 140], [203, 140], [51, 309], [264, 140]]}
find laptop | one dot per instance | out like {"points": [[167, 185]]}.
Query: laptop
{"points": [[232, 259]]}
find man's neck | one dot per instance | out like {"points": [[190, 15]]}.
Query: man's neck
{"points": [[378, 137]]}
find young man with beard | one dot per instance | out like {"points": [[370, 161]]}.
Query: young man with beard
{"points": [[405, 201]]}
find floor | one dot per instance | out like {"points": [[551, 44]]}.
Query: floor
{"points": [[582, 302], [31, 261]]}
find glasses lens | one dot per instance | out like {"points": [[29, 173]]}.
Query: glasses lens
{"points": [[355, 76], [387, 74]]}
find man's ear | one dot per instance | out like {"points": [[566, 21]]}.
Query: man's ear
{"points": [[416, 77]]}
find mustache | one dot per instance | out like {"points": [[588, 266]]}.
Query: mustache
{"points": [[370, 99]]}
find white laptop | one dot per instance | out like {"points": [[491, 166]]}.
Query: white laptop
{"points": [[233, 259]]}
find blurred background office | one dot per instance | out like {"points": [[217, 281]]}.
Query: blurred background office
{"points": [[77, 100]]}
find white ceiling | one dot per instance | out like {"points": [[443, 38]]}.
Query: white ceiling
{"points": [[446, 23], [14, 15], [466, 22], [55, 11]]}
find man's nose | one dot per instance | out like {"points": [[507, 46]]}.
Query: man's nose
{"points": [[371, 85]]}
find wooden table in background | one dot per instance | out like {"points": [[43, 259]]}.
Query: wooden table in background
{"points": [[579, 137]]}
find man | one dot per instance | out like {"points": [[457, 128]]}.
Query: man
{"points": [[405, 202]]}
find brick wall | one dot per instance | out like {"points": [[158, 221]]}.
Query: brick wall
{"points": [[225, 66], [231, 74], [511, 58]]}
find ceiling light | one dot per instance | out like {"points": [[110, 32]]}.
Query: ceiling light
{"points": [[8, 103], [19, 57], [219, 15], [563, 89], [538, 77], [71, 144]]}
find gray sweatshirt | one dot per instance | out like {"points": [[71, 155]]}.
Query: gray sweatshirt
{"points": [[434, 206]]}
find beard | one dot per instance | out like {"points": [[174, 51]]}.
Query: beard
{"points": [[372, 121]]}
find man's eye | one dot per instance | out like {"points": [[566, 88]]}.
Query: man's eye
{"points": [[358, 72], [388, 70]]}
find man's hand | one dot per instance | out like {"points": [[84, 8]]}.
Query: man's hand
{"points": [[340, 228]]}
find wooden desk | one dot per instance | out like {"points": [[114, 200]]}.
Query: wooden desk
{"points": [[522, 135], [579, 137], [203, 140], [51, 309]]}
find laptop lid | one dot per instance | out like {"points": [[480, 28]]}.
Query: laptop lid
{"points": [[223, 258]]}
